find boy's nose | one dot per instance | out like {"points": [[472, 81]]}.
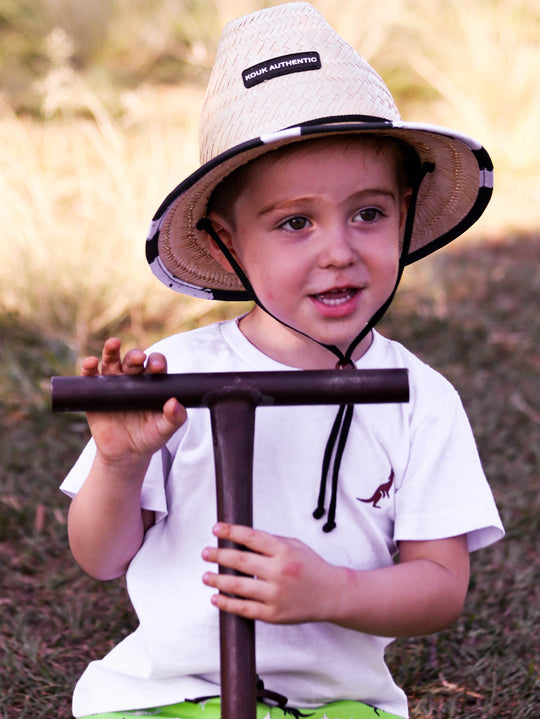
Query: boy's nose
{"points": [[336, 248]]}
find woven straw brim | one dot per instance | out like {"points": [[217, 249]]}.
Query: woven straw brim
{"points": [[451, 198]]}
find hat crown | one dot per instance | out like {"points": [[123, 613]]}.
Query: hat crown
{"points": [[292, 35]]}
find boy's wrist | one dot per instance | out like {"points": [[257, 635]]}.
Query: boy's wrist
{"points": [[343, 587], [128, 464], [331, 601]]}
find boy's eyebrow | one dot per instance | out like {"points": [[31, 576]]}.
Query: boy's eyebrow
{"points": [[361, 194]]}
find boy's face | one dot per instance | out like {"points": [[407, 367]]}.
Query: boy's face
{"points": [[317, 230]]}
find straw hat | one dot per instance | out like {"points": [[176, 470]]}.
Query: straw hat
{"points": [[283, 75]]}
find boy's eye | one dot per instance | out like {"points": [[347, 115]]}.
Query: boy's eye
{"points": [[368, 214], [295, 223]]}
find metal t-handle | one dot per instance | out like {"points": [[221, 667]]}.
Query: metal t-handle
{"points": [[232, 399]]}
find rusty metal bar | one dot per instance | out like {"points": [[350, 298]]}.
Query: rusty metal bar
{"points": [[308, 387], [233, 425]]}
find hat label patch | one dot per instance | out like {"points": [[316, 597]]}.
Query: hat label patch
{"points": [[283, 65]]}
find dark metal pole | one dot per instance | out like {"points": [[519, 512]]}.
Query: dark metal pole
{"points": [[233, 424], [308, 387]]}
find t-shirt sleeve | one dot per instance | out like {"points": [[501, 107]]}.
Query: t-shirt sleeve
{"points": [[153, 492], [444, 492]]}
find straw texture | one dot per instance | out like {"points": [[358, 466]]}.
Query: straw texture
{"points": [[347, 85]]}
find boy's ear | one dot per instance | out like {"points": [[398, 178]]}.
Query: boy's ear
{"points": [[224, 229], [403, 211]]}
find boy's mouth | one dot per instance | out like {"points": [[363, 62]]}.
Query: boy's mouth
{"points": [[338, 296]]}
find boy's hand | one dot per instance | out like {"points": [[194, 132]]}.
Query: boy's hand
{"points": [[288, 581], [120, 435]]}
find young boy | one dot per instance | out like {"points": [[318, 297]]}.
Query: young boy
{"points": [[311, 198]]}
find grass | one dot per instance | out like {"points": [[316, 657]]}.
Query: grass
{"points": [[471, 312], [47, 606]]}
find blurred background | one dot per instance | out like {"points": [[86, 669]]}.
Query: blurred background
{"points": [[98, 122]]}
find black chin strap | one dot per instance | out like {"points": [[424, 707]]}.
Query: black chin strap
{"points": [[339, 433]]}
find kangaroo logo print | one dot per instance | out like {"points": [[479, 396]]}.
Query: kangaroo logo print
{"points": [[383, 490]]}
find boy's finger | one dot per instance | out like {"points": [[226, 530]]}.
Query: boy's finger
{"points": [[245, 587], [157, 363], [174, 412], [247, 563], [242, 607], [254, 539], [133, 362], [110, 357], [90, 367]]}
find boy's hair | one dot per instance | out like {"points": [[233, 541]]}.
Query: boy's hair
{"points": [[407, 164]]}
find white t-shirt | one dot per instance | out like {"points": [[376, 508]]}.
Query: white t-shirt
{"points": [[438, 490]]}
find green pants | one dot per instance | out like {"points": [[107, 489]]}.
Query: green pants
{"points": [[211, 709]]}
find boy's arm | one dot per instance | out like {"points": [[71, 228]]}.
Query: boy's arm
{"points": [[422, 594], [106, 525]]}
